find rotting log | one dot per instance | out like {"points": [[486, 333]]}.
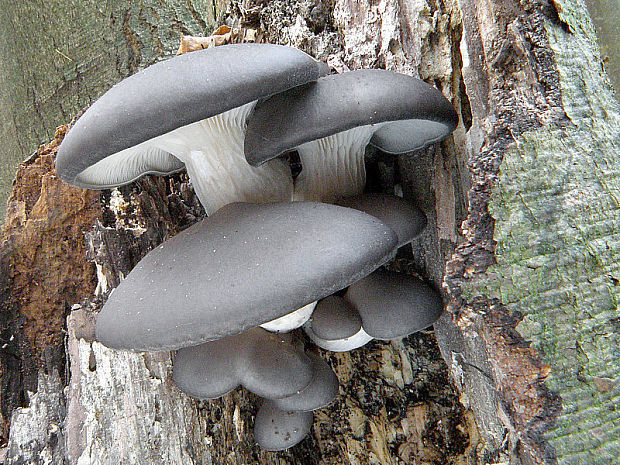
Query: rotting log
{"points": [[523, 237]]}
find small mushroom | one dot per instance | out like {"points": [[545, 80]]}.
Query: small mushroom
{"points": [[336, 326], [245, 265], [394, 305], [267, 364], [276, 429], [191, 111], [330, 122], [320, 392]]}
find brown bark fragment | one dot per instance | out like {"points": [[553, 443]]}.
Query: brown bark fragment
{"points": [[43, 269]]}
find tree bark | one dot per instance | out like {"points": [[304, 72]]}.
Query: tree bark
{"points": [[58, 57], [523, 217]]}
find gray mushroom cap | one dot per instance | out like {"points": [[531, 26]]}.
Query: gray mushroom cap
{"points": [[403, 217], [394, 304], [171, 94], [321, 391], [267, 364], [416, 113], [276, 429], [243, 266], [335, 318]]}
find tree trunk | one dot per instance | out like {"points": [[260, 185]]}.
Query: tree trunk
{"points": [[58, 57], [523, 238]]}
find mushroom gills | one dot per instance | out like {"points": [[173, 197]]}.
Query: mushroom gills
{"points": [[333, 166], [218, 169], [212, 152], [290, 321], [128, 165]]}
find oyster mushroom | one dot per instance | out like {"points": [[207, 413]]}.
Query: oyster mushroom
{"points": [[394, 305], [267, 364], [245, 265], [402, 216], [276, 429], [336, 326], [331, 121], [189, 111]]}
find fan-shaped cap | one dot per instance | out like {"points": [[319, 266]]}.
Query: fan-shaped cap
{"points": [[394, 304], [267, 364], [276, 429], [171, 94], [335, 318], [245, 265], [321, 391], [404, 218], [415, 113]]}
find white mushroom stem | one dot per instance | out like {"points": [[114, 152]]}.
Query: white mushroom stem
{"points": [[290, 321], [333, 166], [339, 345], [212, 150]]}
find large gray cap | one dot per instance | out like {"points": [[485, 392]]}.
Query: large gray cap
{"points": [[321, 391], [265, 363], [403, 217], [175, 93], [276, 429], [335, 318], [243, 266], [394, 304], [417, 113]]}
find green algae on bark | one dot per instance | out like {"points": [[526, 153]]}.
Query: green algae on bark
{"points": [[556, 207]]}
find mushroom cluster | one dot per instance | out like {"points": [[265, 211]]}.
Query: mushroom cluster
{"points": [[224, 292]]}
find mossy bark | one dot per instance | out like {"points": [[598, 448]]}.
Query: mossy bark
{"points": [[534, 285]]}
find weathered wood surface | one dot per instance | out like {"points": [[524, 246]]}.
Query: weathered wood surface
{"points": [[396, 403], [522, 205]]}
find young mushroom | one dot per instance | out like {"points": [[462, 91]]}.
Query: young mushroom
{"points": [[190, 110], [283, 423], [245, 265], [388, 305], [336, 326], [402, 216], [276, 429], [320, 392], [267, 364], [394, 305], [331, 121]]}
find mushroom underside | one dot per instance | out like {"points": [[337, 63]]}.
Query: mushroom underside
{"points": [[212, 152], [291, 320], [333, 166]]}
